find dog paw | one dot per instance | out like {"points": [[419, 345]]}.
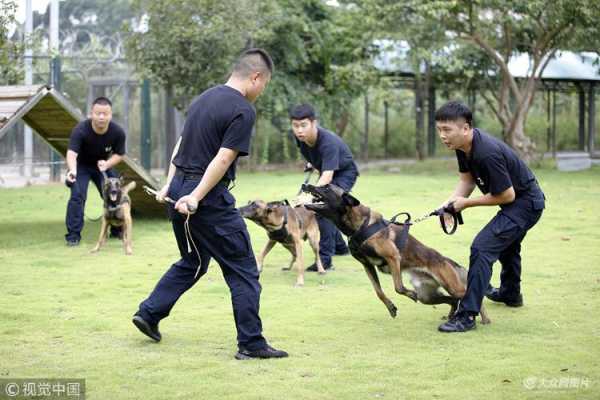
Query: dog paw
{"points": [[299, 284], [393, 310], [412, 295], [94, 250], [286, 268]]}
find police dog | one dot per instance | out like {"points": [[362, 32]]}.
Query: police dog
{"points": [[117, 211], [428, 269], [288, 226]]}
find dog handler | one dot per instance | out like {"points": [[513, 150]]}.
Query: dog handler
{"points": [[328, 153], [96, 145], [506, 181], [217, 131]]}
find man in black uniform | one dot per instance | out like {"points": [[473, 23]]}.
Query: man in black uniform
{"points": [[96, 145], [504, 180], [328, 153], [217, 131]]}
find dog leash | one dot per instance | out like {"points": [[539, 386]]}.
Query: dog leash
{"points": [[448, 209], [186, 227]]}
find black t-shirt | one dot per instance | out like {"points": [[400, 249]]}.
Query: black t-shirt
{"points": [[219, 117], [330, 153], [91, 146], [496, 167]]}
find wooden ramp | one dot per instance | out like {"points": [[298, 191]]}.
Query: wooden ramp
{"points": [[52, 117]]}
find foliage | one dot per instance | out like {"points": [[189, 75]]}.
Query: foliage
{"points": [[11, 52], [320, 55], [500, 29]]}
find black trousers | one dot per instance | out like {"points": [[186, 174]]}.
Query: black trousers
{"points": [[331, 237], [76, 204], [500, 240], [217, 231]]}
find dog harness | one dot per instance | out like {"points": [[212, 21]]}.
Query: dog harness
{"points": [[281, 234], [365, 231]]}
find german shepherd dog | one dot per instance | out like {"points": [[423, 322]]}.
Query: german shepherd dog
{"points": [[117, 211], [288, 226], [386, 250]]}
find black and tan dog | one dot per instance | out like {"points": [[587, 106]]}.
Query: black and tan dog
{"points": [[289, 226], [388, 246], [117, 211]]}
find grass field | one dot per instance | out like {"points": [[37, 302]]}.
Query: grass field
{"points": [[65, 313]]}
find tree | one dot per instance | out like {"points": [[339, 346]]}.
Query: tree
{"points": [[190, 45], [501, 29], [11, 52]]}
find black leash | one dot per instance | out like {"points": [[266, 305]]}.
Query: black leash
{"points": [[448, 209]]}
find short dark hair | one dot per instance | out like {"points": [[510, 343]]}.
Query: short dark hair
{"points": [[453, 111], [253, 60], [103, 101], [303, 111]]}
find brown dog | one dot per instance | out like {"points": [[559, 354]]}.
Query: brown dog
{"points": [[117, 211], [289, 226], [376, 243]]}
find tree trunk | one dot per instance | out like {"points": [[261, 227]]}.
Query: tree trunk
{"points": [[517, 139], [342, 123]]}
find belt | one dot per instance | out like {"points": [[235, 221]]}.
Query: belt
{"points": [[191, 176]]}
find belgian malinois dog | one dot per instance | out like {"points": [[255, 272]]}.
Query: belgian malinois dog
{"points": [[377, 243], [117, 211], [288, 226]]}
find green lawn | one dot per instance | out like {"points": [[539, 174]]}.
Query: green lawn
{"points": [[65, 313]]}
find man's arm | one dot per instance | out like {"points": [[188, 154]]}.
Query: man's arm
{"points": [[71, 166], [162, 193], [325, 178], [113, 160], [505, 197], [465, 186], [213, 174]]}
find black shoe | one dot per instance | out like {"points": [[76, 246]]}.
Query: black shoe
{"points": [[72, 242], [313, 268], [146, 328], [494, 295], [265, 352], [458, 323]]}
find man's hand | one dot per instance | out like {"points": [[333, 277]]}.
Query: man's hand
{"points": [[71, 177], [102, 165], [187, 205], [459, 203], [161, 195]]}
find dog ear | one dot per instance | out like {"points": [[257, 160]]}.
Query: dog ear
{"points": [[350, 200]]}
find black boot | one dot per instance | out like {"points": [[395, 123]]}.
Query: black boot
{"points": [[511, 301]]}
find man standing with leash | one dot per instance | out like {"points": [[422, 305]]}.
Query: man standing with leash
{"points": [[506, 181], [95, 147], [205, 221], [328, 153]]}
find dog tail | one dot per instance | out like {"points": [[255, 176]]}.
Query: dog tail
{"points": [[129, 187]]}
